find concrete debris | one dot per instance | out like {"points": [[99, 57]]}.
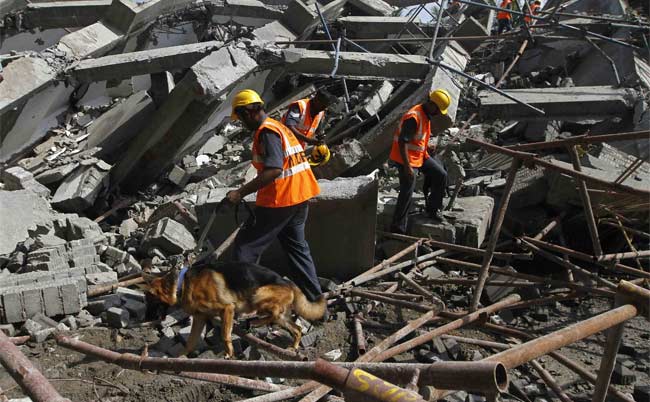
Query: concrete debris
{"points": [[117, 145]]}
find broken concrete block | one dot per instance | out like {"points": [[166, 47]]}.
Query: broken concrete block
{"points": [[102, 303], [344, 210], [77, 228], [170, 236], [178, 176], [27, 210], [70, 322], [372, 104], [85, 319], [17, 178], [117, 317], [495, 293], [126, 293], [623, 375], [558, 103], [471, 27], [373, 7], [358, 64], [31, 327], [121, 261], [79, 190], [8, 329], [137, 310], [101, 278], [174, 317]]}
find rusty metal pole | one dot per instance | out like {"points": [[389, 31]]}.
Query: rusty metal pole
{"points": [[494, 235], [361, 386], [460, 322], [525, 352], [25, 374], [360, 339], [586, 202], [386, 263], [608, 360]]}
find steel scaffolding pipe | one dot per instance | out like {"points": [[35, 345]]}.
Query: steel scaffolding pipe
{"points": [[525, 352], [581, 139], [490, 377], [25, 374]]}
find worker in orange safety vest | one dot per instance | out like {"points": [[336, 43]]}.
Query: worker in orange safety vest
{"points": [[304, 116], [284, 185], [534, 6], [504, 18], [411, 152]]}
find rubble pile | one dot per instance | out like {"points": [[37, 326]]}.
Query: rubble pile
{"points": [[117, 150]]}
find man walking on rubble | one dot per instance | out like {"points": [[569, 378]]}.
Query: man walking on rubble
{"points": [[284, 186], [410, 151], [504, 18], [304, 116]]}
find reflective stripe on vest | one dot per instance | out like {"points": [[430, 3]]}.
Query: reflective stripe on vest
{"points": [[416, 148], [296, 183], [306, 125]]}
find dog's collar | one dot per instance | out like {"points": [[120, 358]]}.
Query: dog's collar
{"points": [[179, 286]]}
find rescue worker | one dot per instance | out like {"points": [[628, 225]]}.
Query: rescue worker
{"points": [[410, 151], [534, 6], [284, 186], [305, 115], [504, 18]]}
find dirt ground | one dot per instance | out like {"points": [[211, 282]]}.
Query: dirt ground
{"points": [[84, 379]]}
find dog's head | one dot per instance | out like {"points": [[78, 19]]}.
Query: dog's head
{"points": [[162, 287]]}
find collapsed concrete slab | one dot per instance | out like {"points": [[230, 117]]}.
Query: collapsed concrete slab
{"points": [[22, 78], [91, 41], [558, 103], [341, 218], [373, 7], [17, 178], [357, 64], [127, 16], [64, 14], [125, 65], [252, 13], [186, 109], [114, 129], [377, 26], [298, 16], [471, 27]]}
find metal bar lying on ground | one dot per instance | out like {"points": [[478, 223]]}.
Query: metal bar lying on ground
{"points": [[25, 374], [581, 139]]}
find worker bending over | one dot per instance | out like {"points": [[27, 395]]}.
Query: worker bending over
{"points": [[305, 115], [284, 186], [504, 18], [410, 152]]}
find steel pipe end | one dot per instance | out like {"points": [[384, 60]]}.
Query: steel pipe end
{"points": [[501, 378]]}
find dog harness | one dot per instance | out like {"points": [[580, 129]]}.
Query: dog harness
{"points": [[179, 286]]}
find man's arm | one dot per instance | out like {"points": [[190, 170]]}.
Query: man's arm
{"points": [[292, 120], [409, 127], [271, 146]]}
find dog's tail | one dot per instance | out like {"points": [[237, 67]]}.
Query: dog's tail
{"points": [[307, 309]]}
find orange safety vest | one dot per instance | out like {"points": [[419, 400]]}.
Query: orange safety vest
{"points": [[307, 125], [504, 15], [297, 183], [416, 148], [533, 11]]}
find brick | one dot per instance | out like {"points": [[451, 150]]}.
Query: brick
{"points": [[100, 304], [137, 310], [52, 301], [32, 301], [126, 293], [8, 329], [623, 375], [42, 335], [117, 317], [69, 293], [31, 327], [170, 236]]}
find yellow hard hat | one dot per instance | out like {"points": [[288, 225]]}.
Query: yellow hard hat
{"points": [[441, 98], [244, 98], [320, 155]]}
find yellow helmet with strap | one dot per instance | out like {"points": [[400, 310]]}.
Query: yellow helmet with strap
{"points": [[441, 98], [244, 98], [320, 155]]}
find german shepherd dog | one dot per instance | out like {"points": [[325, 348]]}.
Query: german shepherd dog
{"points": [[207, 290]]}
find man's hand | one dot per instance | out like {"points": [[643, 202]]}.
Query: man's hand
{"points": [[234, 196]]}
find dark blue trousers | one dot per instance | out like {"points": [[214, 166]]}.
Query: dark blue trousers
{"points": [[435, 180], [287, 224]]}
